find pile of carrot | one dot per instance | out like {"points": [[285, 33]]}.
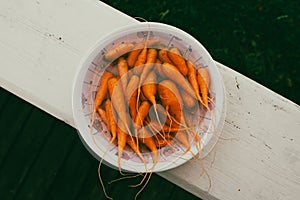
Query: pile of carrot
{"points": [[148, 76]]}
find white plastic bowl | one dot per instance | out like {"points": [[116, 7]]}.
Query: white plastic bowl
{"points": [[86, 83]]}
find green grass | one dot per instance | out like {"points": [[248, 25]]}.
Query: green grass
{"points": [[259, 39]]}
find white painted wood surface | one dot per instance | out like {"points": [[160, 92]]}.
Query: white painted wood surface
{"points": [[42, 42]]}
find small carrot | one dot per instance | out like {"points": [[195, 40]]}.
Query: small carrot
{"points": [[187, 118], [162, 141], [146, 138], [122, 71], [121, 135], [149, 87], [170, 98], [182, 137], [142, 113], [112, 125], [165, 129], [151, 59], [101, 94], [118, 51], [131, 95], [102, 91], [131, 142], [118, 101], [141, 60], [192, 77], [203, 81], [133, 55], [178, 60], [172, 73], [103, 115], [163, 56], [188, 101], [142, 97], [158, 69]]}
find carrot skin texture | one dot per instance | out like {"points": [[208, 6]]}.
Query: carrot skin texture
{"points": [[178, 60], [121, 135], [131, 95], [123, 70], [170, 98], [182, 137], [149, 87], [112, 125], [141, 60], [118, 51], [103, 88], [192, 77], [203, 81], [188, 101], [118, 100], [133, 55], [103, 115], [146, 138], [142, 113], [151, 59], [163, 56], [173, 73], [134, 146]]}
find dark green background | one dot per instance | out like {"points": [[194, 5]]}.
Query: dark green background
{"points": [[43, 158]]}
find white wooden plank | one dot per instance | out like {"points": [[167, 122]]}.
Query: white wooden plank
{"points": [[42, 42]]}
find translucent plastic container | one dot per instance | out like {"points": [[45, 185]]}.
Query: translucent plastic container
{"points": [[86, 84]]}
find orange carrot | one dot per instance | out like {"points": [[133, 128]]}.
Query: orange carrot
{"points": [[131, 95], [133, 55], [141, 60], [102, 91], [172, 73], [182, 137], [151, 59], [165, 129], [100, 95], [112, 125], [188, 101], [118, 101], [142, 113], [103, 115], [149, 87], [146, 138], [121, 135], [192, 77], [163, 56], [178, 60], [170, 98], [158, 69], [203, 81], [122, 71], [118, 51], [162, 141], [131, 142]]}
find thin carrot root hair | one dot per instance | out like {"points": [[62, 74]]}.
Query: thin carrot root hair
{"points": [[101, 181], [204, 171], [147, 181], [99, 171], [125, 177], [141, 182]]}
